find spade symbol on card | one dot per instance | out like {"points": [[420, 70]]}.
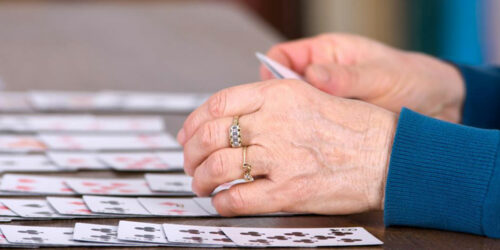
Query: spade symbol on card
{"points": [[33, 205], [35, 239], [252, 233], [191, 231], [146, 229], [194, 238], [46, 213], [111, 202], [116, 209], [148, 237], [29, 231], [104, 230]]}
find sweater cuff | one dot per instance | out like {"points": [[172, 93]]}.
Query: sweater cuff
{"points": [[439, 174], [482, 102]]}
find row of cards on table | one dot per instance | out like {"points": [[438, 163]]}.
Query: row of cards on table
{"points": [[139, 234], [100, 101], [72, 161]]}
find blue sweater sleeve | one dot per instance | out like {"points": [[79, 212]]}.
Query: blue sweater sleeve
{"points": [[482, 96], [444, 176]]}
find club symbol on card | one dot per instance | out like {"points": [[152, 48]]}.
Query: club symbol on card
{"points": [[195, 238], [174, 183], [279, 237], [115, 209], [309, 241], [296, 234], [261, 241], [217, 232], [348, 240], [68, 233], [192, 231], [34, 205], [46, 213], [104, 230], [102, 237], [252, 233], [29, 231], [148, 237], [323, 237], [146, 229], [111, 202], [223, 240], [35, 239], [337, 233]]}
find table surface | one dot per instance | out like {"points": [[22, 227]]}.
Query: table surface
{"points": [[159, 46]]}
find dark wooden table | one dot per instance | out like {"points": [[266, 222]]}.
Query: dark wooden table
{"points": [[163, 46]]}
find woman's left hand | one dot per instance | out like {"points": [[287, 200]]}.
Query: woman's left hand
{"points": [[310, 152]]}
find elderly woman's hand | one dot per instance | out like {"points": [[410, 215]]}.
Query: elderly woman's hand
{"points": [[310, 152], [355, 67]]}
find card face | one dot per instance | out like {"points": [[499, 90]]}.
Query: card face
{"points": [[132, 161], [76, 160], [137, 101], [169, 182], [42, 236], [65, 100], [300, 237], [100, 233], [31, 208], [69, 206], [278, 70], [21, 143], [35, 184], [174, 160], [123, 187], [172, 207], [94, 142], [14, 101], [206, 204], [5, 211], [26, 163], [114, 205], [125, 124], [141, 232], [196, 235]]}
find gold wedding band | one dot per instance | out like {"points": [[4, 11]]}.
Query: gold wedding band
{"points": [[247, 168], [235, 133]]}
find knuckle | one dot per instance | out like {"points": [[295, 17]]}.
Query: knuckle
{"points": [[208, 135], [216, 165], [236, 202], [217, 103]]}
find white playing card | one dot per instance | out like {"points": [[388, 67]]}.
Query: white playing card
{"points": [[32, 208], [95, 142], [174, 160], [133, 161], [114, 205], [196, 235], [122, 187], [14, 101], [35, 184], [57, 122], [127, 124], [76, 160], [141, 232], [228, 185], [180, 102], [278, 70], [206, 204], [100, 233], [21, 143], [42, 236], [26, 163], [169, 182], [69, 206], [300, 237], [172, 207], [65, 100], [5, 211]]}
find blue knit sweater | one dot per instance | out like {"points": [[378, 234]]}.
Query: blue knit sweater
{"points": [[447, 176]]}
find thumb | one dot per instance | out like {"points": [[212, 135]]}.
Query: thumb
{"points": [[342, 81]]}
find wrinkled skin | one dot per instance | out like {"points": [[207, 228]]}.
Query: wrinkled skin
{"points": [[311, 152], [355, 67]]}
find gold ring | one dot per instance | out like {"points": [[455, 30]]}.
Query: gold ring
{"points": [[235, 133], [247, 168]]}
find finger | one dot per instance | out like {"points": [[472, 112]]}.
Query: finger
{"points": [[238, 100], [225, 165], [248, 198], [214, 135], [345, 81]]}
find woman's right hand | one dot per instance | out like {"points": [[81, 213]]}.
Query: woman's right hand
{"points": [[356, 67]]}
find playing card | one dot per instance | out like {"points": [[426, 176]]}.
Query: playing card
{"points": [[174, 160], [26, 163], [65, 100], [122, 187], [196, 235], [300, 237], [124, 124], [206, 204], [179, 102], [5, 211], [133, 161], [172, 207], [42, 236], [58, 122], [141, 232], [32, 208], [76, 160], [169, 182], [228, 185], [35, 184], [100, 233], [21, 143], [114, 205], [278, 70], [69, 206], [14, 101], [94, 142]]}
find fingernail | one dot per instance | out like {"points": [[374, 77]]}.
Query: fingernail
{"points": [[319, 73], [181, 136]]}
